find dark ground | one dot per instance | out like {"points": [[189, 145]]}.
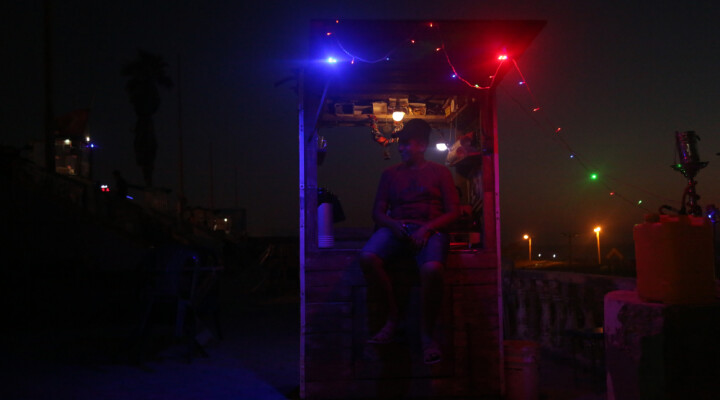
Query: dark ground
{"points": [[68, 353], [77, 355], [75, 292]]}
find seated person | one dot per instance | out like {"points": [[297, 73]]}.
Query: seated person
{"points": [[415, 200]]}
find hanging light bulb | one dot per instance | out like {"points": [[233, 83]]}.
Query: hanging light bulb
{"points": [[398, 115]]}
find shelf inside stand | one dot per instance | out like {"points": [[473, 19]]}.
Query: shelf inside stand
{"points": [[362, 119]]}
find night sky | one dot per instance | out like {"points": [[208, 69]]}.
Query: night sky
{"points": [[618, 77]]}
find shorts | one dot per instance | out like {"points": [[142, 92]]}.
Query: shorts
{"points": [[386, 245]]}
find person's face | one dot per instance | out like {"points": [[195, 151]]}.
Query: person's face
{"points": [[411, 149]]}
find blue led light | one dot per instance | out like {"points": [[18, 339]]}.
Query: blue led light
{"points": [[332, 60]]}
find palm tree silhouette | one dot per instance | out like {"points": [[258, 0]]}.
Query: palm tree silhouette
{"points": [[146, 73]]}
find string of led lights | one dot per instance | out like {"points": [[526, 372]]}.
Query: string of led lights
{"points": [[455, 74], [536, 103], [545, 125], [386, 57], [574, 155], [579, 159]]}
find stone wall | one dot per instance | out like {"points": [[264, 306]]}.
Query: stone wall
{"points": [[552, 307], [661, 351]]}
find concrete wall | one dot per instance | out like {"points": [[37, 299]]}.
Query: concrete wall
{"points": [[553, 307]]}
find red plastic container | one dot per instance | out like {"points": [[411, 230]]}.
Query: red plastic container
{"points": [[674, 256]]}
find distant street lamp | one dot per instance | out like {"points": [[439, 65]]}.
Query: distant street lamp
{"points": [[529, 239], [597, 235]]}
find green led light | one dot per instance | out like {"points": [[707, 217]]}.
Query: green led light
{"points": [[593, 177]]}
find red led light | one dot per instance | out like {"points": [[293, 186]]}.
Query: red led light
{"points": [[329, 33], [558, 130], [536, 109], [502, 57], [412, 41], [430, 24]]}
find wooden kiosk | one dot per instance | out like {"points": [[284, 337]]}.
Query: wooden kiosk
{"points": [[445, 72]]}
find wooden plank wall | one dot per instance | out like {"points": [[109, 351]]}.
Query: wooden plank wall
{"points": [[340, 314]]}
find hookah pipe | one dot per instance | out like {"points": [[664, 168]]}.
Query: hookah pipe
{"points": [[689, 166]]}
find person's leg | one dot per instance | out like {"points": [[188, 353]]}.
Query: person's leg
{"points": [[431, 298], [431, 261], [431, 282], [382, 246], [374, 271]]}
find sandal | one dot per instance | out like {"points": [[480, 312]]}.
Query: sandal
{"points": [[431, 353], [385, 335]]}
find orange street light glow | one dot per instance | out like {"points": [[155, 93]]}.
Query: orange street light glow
{"points": [[529, 239], [597, 236]]}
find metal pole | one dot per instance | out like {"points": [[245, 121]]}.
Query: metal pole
{"points": [[212, 185], [529, 249], [570, 236], [181, 178], [49, 136], [301, 195]]}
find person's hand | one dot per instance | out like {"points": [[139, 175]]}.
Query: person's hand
{"points": [[398, 229], [420, 237]]}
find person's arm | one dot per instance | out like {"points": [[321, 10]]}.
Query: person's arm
{"points": [[381, 206], [451, 206]]}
